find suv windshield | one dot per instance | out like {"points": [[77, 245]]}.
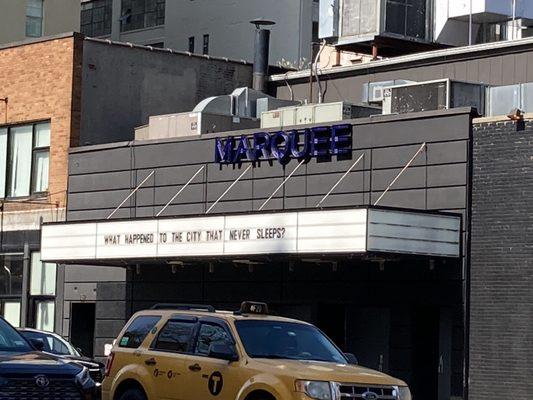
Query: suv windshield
{"points": [[287, 340], [11, 340]]}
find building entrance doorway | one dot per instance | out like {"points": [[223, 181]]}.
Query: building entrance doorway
{"points": [[82, 327]]}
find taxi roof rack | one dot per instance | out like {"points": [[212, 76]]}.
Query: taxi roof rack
{"points": [[185, 307]]}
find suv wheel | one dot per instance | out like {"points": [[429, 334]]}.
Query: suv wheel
{"points": [[133, 394]]}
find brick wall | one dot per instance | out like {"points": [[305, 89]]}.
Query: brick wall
{"points": [[39, 80], [501, 307]]}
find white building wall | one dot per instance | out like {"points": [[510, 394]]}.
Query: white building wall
{"points": [[460, 8], [59, 16], [227, 22], [230, 32], [451, 23]]}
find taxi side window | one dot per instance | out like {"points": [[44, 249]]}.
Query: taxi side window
{"points": [[137, 331], [210, 334], [175, 336]]}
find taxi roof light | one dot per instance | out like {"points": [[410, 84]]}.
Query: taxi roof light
{"points": [[253, 307]]}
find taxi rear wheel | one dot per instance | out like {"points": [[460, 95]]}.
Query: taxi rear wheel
{"points": [[132, 394]]}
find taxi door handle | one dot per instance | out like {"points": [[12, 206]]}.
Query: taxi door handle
{"points": [[195, 367], [150, 361]]}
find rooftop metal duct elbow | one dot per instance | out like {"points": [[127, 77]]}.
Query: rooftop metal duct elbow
{"points": [[262, 42]]}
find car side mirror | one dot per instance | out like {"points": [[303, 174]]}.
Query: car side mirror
{"points": [[352, 359], [223, 352], [79, 350], [38, 344]]}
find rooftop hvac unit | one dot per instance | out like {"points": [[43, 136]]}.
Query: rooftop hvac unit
{"points": [[314, 113], [373, 91], [356, 21], [501, 100], [433, 95], [190, 124]]}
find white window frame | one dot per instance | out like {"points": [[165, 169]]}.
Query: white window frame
{"points": [[6, 154]]}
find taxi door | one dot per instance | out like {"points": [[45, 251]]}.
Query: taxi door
{"points": [[164, 359], [207, 377]]}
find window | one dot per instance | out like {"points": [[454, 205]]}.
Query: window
{"points": [[52, 343], [286, 340], [44, 319], [137, 331], [11, 312], [34, 18], [211, 334], [175, 336], [139, 14], [406, 17], [96, 17], [191, 44], [42, 277], [206, 45], [24, 160], [11, 274]]}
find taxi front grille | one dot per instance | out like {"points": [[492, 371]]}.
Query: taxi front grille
{"points": [[26, 389], [348, 392]]}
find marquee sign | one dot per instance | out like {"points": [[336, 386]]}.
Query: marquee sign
{"points": [[321, 141], [304, 232]]}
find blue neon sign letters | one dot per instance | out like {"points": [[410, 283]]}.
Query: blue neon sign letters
{"points": [[321, 141]]}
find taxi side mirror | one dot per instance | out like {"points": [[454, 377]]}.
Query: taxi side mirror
{"points": [[223, 352], [352, 359]]}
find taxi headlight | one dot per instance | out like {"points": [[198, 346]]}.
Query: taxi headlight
{"points": [[404, 393], [315, 389]]}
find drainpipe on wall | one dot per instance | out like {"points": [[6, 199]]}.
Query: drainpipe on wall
{"points": [[25, 285]]}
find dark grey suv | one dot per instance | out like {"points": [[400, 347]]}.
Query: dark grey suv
{"points": [[28, 374]]}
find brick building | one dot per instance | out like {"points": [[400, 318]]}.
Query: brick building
{"points": [[55, 93], [501, 295], [39, 122]]}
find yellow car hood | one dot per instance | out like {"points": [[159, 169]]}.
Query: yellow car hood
{"points": [[326, 371]]}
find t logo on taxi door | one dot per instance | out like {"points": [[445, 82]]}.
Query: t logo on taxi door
{"points": [[215, 383]]}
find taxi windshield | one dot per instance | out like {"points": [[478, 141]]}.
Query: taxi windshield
{"points": [[287, 340]]}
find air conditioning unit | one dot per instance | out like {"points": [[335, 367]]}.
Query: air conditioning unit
{"points": [[373, 91], [439, 94], [315, 113], [191, 124]]}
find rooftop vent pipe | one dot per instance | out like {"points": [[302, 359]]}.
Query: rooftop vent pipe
{"points": [[262, 40]]}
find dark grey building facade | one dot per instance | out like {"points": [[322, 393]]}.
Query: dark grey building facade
{"points": [[123, 84], [414, 328]]}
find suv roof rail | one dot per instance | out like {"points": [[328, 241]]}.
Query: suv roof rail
{"points": [[180, 306]]}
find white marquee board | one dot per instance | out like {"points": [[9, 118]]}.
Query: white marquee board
{"points": [[303, 232]]}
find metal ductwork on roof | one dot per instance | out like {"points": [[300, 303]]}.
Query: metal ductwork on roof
{"points": [[239, 110]]}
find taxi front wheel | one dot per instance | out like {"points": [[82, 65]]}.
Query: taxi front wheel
{"points": [[132, 394]]}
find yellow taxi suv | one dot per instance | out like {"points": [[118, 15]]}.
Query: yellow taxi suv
{"points": [[194, 352]]}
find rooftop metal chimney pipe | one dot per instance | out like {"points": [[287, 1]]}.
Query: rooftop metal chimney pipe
{"points": [[262, 40]]}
